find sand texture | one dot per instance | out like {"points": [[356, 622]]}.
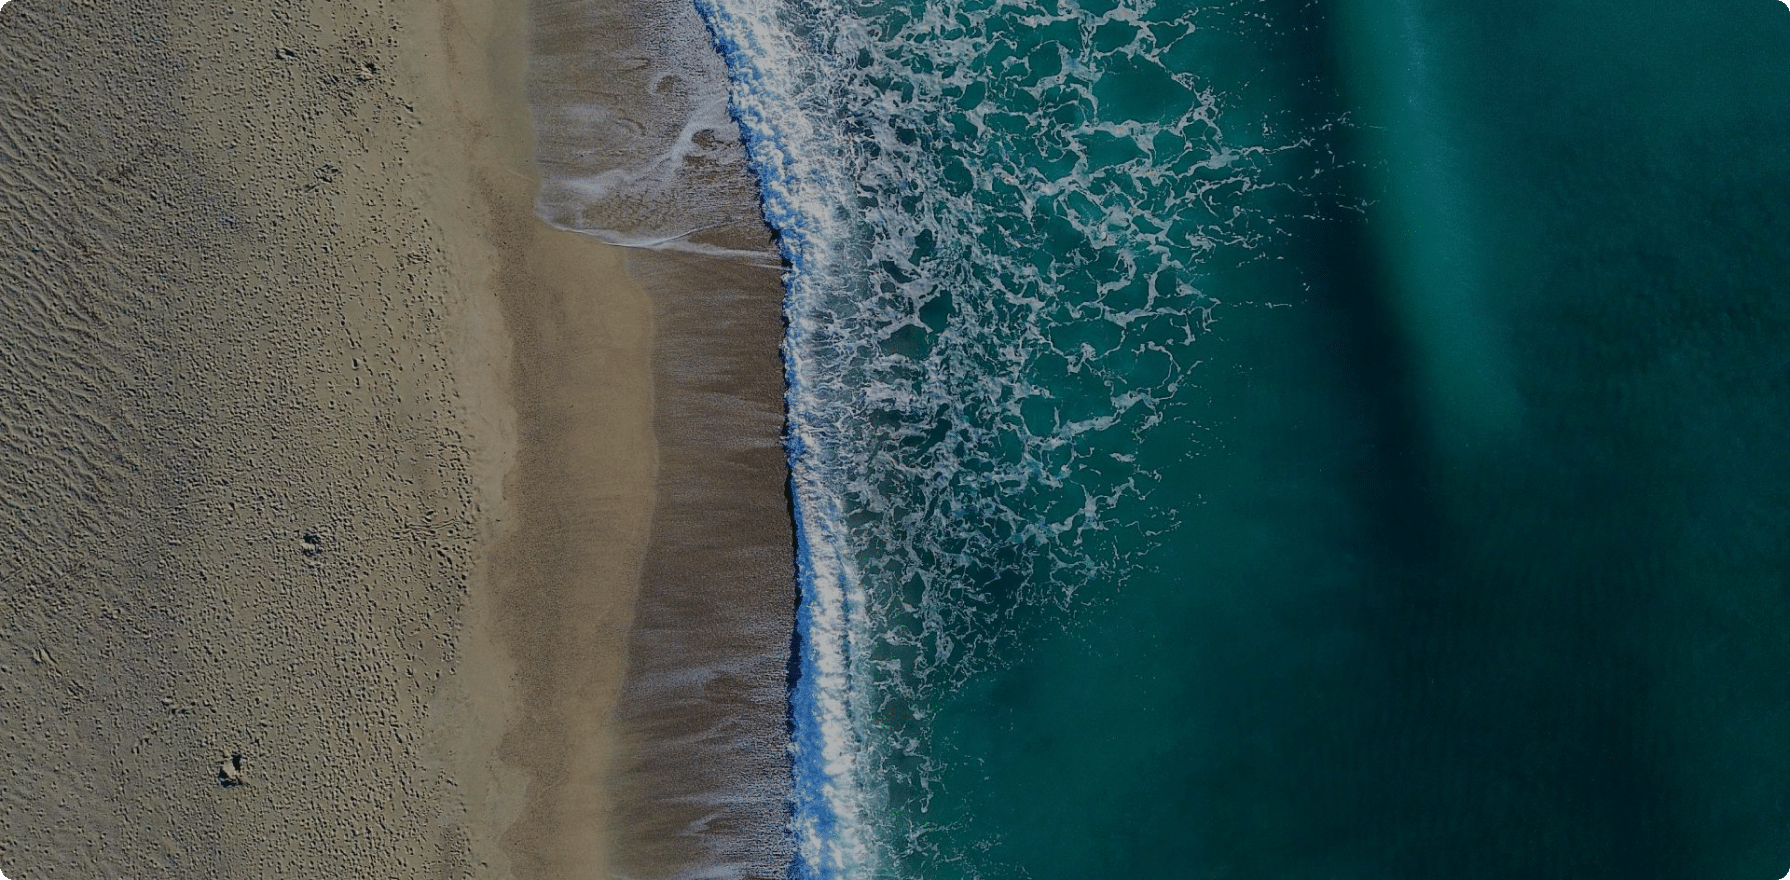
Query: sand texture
{"points": [[325, 468]]}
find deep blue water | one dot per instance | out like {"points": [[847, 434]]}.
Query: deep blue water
{"points": [[1333, 439]]}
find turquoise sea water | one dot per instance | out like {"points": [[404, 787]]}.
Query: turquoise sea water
{"points": [[1337, 439]]}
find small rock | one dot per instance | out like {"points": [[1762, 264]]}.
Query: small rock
{"points": [[231, 772]]}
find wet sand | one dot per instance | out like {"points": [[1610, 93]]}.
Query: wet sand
{"points": [[635, 145], [326, 469], [704, 780]]}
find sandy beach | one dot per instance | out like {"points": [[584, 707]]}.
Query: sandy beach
{"points": [[327, 470]]}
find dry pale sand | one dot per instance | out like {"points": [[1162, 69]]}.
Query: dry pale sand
{"points": [[326, 470]]}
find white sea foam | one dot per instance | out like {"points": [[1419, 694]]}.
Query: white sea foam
{"points": [[767, 68], [679, 243]]}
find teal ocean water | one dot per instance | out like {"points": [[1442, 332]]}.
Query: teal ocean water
{"points": [[1334, 439]]}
